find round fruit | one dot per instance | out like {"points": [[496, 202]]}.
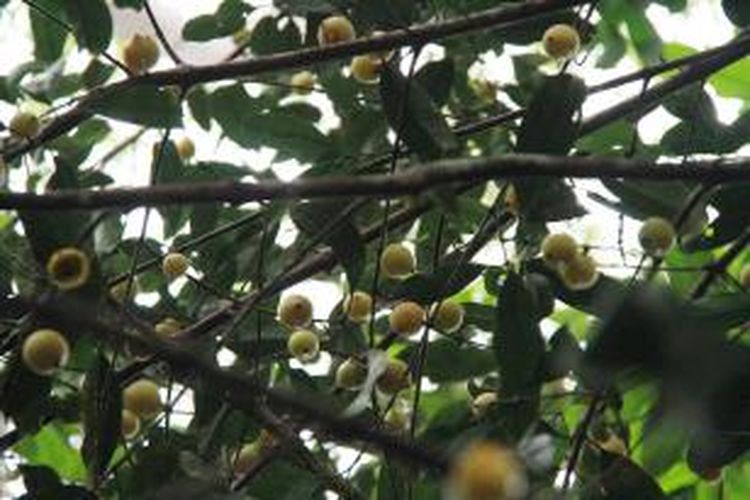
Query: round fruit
{"points": [[304, 346], [140, 53], [142, 398], [397, 418], [25, 125], [167, 327], [302, 83], [335, 29], [561, 41], [244, 459], [482, 403], [406, 318], [45, 351], [119, 291], [579, 273], [351, 374], [185, 148], [397, 261], [656, 236], [174, 264], [745, 276], [68, 268], [295, 311], [366, 68], [487, 471], [447, 316], [130, 424], [358, 307], [484, 89], [614, 444], [559, 248], [395, 378]]}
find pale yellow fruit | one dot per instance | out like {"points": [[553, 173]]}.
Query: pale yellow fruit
{"points": [[167, 327], [487, 471], [366, 68], [45, 351], [244, 460], [482, 403], [142, 398], [614, 444], [406, 318], [559, 248], [174, 264], [25, 125], [335, 29], [130, 424], [511, 202], [304, 346], [395, 378], [397, 261], [119, 291], [656, 236], [484, 89], [295, 311], [140, 53], [447, 316], [561, 41], [397, 418], [580, 273], [358, 307], [185, 148], [302, 83], [351, 374], [68, 268]]}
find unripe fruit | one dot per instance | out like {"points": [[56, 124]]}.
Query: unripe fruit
{"points": [[244, 460], [174, 264], [167, 327], [656, 236], [580, 273], [335, 29], [397, 418], [487, 471], [745, 276], [406, 318], [45, 351], [358, 307], [142, 398], [25, 125], [130, 424], [482, 403], [304, 346], [561, 41], [397, 261], [484, 89], [614, 444], [366, 68], [185, 148], [302, 83], [559, 248], [295, 311], [395, 378], [447, 316], [140, 53], [68, 268], [351, 374], [118, 292]]}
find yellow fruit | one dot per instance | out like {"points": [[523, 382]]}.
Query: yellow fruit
{"points": [[351, 374], [295, 311], [397, 418], [656, 236], [167, 327], [395, 378], [303, 82], [745, 276], [244, 459], [185, 148], [45, 351], [580, 273], [406, 318], [614, 444], [25, 125], [335, 29], [304, 346], [142, 398], [358, 307], [511, 201], [118, 291], [487, 471], [366, 68], [482, 403], [68, 268], [561, 41], [397, 261], [447, 316], [174, 264], [140, 53], [130, 424], [484, 89], [559, 248]]}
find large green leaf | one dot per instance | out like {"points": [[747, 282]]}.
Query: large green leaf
{"points": [[228, 18], [51, 447], [140, 104], [92, 23], [738, 11], [49, 37]]}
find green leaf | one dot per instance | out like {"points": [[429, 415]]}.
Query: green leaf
{"points": [[141, 104], [738, 11], [131, 4], [449, 361], [43, 483], [228, 18], [49, 37], [451, 276], [92, 23], [269, 38], [437, 79], [51, 447], [199, 104]]}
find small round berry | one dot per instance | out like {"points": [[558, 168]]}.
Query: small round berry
{"points": [[580, 273], [302, 83], [614, 444], [745, 276], [244, 459], [335, 29], [395, 378], [68, 268], [304, 346], [351, 374], [482, 403], [406, 318], [120, 293], [559, 248], [185, 148], [656, 236], [397, 261], [366, 68], [484, 89], [397, 418], [174, 264], [358, 306], [447, 316], [295, 311], [24, 125], [130, 424], [487, 471], [140, 53], [142, 398], [561, 41], [45, 351], [167, 327]]}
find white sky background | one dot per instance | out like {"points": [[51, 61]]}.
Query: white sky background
{"points": [[702, 27]]}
